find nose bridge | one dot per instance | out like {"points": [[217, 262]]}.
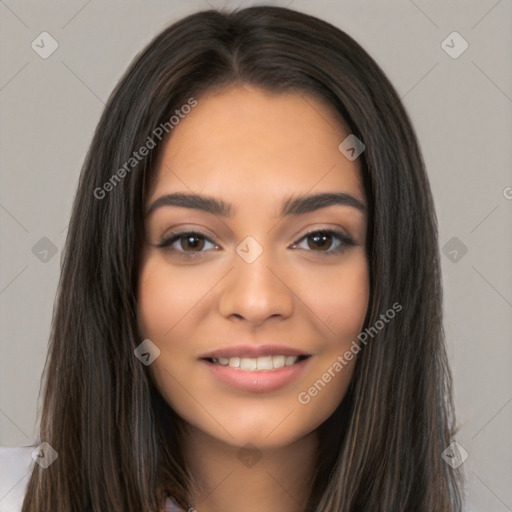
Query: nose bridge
{"points": [[255, 290]]}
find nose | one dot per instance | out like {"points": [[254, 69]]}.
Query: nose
{"points": [[257, 291]]}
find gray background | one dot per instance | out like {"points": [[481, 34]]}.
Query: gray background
{"points": [[461, 108]]}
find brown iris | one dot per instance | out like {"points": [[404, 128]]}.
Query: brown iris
{"points": [[322, 241], [194, 242]]}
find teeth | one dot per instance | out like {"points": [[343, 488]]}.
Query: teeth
{"points": [[290, 360], [280, 361], [257, 363], [264, 363], [247, 363]]}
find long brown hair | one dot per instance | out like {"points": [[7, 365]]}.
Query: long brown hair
{"points": [[116, 438]]}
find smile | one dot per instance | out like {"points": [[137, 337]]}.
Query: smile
{"points": [[254, 374], [257, 363]]}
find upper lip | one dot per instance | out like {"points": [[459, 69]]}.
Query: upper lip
{"points": [[254, 351]]}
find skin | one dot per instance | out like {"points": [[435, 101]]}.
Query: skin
{"points": [[253, 149]]}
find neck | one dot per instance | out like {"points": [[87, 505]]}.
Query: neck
{"points": [[229, 479]]}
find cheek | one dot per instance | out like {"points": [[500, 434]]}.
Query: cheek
{"points": [[155, 302], [349, 301], [344, 303], [340, 300], [164, 303], [339, 297], [165, 297]]}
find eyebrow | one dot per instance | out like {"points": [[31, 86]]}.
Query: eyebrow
{"points": [[294, 205]]}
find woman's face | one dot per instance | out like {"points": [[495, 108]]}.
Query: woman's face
{"points": [[249, 290]]}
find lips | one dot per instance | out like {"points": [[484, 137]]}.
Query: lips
{"points": [[239, 366]]}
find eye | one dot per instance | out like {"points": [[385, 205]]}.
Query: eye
{"points": [[327, 241], [191, 242], [322, 241]]}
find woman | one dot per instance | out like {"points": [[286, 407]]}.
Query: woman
{"points": [[249, 312]]}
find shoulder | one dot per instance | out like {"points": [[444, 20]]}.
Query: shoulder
{"points": [[16, 465], [172, 505]]}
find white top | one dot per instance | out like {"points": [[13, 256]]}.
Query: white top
{"points": [[16, 466]]}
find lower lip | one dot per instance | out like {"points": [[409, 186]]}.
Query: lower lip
{"points": [[257, 381]]}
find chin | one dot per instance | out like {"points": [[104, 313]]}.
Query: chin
{"points": [[265, 425]]}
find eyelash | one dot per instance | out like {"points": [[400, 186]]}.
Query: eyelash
{"points": [[345, 241]]}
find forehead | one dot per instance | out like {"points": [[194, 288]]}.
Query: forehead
{"points": [[245, 138]]}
